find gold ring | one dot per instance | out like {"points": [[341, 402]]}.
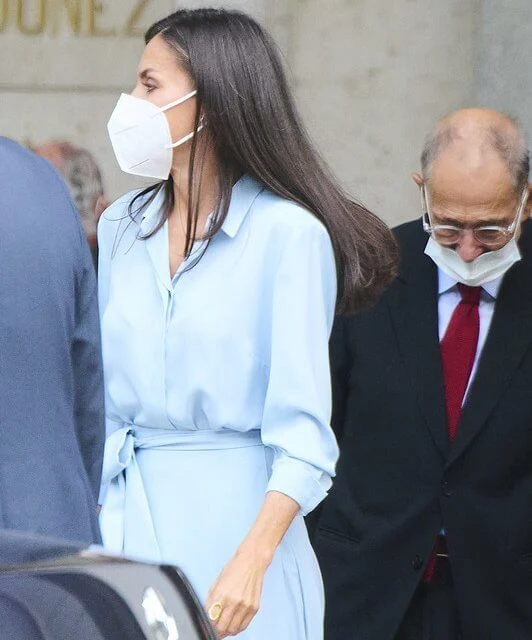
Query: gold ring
{"points": [[215, 611]]}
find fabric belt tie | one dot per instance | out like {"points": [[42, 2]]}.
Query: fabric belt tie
{"points": [[126, 505]]}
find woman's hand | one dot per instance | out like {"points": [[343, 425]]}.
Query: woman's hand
{"points": [[234, 598]]}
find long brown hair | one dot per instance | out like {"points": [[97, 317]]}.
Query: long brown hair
{"points": [[254, 129]]}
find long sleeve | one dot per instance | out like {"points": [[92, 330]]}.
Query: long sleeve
{"points": [[297, 410], [87, 369]]}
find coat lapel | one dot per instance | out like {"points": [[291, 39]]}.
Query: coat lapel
{"points": [[413, 302], [509, 337]]}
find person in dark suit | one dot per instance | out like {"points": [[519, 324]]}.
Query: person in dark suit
{"points": [[51, 387], [427, 533]]}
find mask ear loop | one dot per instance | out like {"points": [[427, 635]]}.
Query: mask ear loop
{"points": [[184, 139], [522, 204], [179, 101], [190, 135], [427, 226]]}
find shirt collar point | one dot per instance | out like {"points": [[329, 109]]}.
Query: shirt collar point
{"points": [[243, 195], [446, 283]]}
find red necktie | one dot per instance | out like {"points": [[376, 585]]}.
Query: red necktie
{"points": [[458, 349]]}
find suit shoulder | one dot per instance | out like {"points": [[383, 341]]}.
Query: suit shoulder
{"points": [[14, 151], [412, 240], [36, 190], [525, 241], [15, 158], [409, 232], [23, 167]]}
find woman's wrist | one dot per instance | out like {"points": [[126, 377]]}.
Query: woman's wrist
{"points": [[276, 515], [258, 551]]}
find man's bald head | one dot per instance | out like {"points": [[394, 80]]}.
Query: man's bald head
{"points": [[475, 138], [475, 175]]}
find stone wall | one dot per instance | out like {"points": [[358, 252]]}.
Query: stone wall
{"points": [[503, 57], [370, 77], [63, 67]]}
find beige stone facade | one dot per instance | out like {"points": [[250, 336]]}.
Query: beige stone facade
{"points": [[370, 76]]}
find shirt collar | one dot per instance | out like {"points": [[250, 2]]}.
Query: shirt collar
{"points": [[445, 283], [242, 197], [151, 212]]}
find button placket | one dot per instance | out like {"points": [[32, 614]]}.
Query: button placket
{"points": [[446, 489]]}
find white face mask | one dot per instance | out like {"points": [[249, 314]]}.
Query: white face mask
{"points": [[141, 138], [488, 266]]}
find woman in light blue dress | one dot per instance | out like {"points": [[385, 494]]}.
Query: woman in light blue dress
{"points": [[218, 288]]}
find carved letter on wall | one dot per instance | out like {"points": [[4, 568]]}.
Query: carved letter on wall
{"points": [[38, 24], [73, 10], [96, 10], [3, 14], [132, 25]]}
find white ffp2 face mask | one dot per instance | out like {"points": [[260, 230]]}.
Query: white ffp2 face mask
{"points": [[488, 266], [141, 138]]}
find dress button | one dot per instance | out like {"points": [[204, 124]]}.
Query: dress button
{"points": [[417, 563], [446, 489]]}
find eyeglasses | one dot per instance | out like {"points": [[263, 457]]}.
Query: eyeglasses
{"points": [[490, 236]]}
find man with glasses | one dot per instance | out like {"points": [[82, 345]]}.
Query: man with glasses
{"points": [[427, 533]]}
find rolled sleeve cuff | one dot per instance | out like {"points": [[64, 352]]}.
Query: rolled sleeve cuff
{"points": [[302, 482]]}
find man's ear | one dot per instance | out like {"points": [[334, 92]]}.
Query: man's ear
{"points": [[527, 213], [418, 179]]}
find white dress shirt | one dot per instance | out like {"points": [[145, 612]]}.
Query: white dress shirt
{"points": [[449, 298]]}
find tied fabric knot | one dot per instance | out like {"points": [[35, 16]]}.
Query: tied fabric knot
{"points": [[469, 295], [458, 351], [126, 510], [125, 519]]}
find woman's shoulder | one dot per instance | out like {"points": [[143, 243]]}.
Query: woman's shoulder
{"points": [[119, 208], [118, 219], [286, 217], [120, 214]]}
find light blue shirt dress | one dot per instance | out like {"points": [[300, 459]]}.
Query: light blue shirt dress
{"points": [[218, 390]]}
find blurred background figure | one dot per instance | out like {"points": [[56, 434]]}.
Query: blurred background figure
{"points": [[84, 181]]}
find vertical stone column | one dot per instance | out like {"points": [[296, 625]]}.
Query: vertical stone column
{"points": [[503, 78]]}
